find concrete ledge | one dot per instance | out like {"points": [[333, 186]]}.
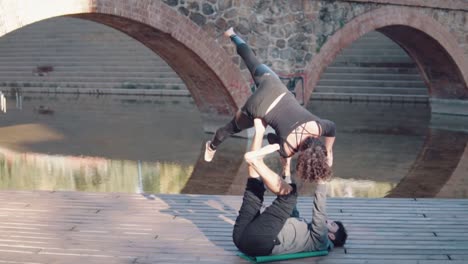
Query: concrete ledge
{"points": [[449, 122], [449, 107], [366, 97], [100, 91]]}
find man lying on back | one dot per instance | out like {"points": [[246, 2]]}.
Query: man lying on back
{"points": [[274, 231]]}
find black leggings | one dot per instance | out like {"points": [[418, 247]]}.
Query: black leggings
{"points": [[242, 120], [255, 233], [256, 68]]}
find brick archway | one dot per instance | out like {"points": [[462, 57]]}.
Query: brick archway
{"points": [[441, 61], [215, 83]]}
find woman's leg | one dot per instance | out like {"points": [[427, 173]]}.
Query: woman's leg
{"points": [[240, 122], [256, 68]]}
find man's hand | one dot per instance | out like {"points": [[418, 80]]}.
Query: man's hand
{"points": [[286, 165], [320, 181]]}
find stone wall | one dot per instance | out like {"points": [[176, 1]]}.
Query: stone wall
{"points": [[287, 34]]}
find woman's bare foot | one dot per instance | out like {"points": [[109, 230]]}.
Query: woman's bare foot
{"points": [[251, 156], [228, 33]]}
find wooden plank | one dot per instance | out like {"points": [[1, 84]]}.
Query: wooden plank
{"points": [[72, 227], [12, 258], [405, 251]]}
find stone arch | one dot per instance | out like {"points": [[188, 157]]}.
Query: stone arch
{"points": [[440, 60], [443, 66], [214, 81]]}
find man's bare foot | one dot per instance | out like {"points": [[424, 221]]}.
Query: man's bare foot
{"points": [[209, 152], [228, 33], [251, 156]]}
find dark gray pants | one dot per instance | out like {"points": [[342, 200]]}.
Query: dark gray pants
{"points": [[255, 233]]}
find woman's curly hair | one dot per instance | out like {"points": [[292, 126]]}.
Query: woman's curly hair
{"points": [[312, 161]]}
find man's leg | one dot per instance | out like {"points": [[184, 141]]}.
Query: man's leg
{"points": [[250, 208], [263, 230]]}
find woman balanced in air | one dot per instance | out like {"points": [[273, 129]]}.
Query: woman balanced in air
{"points": [[295, 127]]}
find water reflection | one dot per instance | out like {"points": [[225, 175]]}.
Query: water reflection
{"points": [[443, 150], [33, 171], [153, 145]]}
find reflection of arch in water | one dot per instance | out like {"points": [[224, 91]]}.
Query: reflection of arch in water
{"points": [[220, 175], [36, 171], [435, 50], [434, 166]]}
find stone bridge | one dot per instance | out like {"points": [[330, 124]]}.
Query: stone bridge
{"points": [[296, 37]]}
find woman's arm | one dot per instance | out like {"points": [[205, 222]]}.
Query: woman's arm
{"points": [[329, 141], [328, 132]]}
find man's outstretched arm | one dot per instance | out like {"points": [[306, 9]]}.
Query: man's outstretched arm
{"points": [[319, 232]]}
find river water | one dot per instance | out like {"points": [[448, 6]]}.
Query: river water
{"points": [[139, 144]]}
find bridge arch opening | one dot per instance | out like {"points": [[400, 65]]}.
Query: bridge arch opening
{"points": [[441, 65], [432, 47], [214, 81], [438, 69], [208, 89]]}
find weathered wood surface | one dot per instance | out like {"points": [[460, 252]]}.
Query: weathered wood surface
{"points": [[74, 227]]}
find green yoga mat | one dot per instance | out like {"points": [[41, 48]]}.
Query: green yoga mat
{"points": [[261, 259]]}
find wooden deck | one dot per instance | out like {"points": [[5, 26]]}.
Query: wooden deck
{"points": [[74, 227]]}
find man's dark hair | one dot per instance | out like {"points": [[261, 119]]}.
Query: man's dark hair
{"points": [[341, 235]]}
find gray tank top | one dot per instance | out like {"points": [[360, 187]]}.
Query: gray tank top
{"points": [[286, 116]]}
